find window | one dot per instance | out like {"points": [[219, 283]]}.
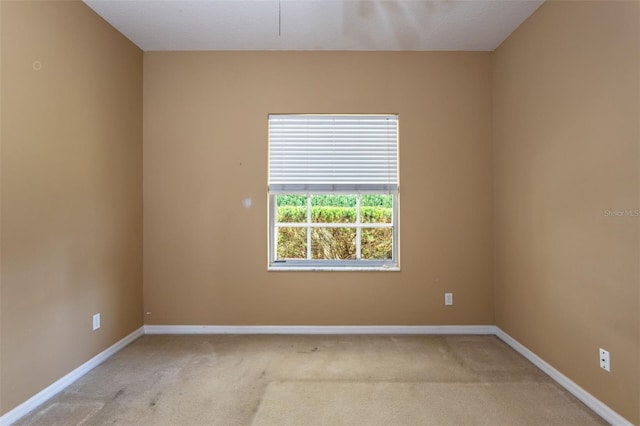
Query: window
{"points": [[333, 192]]}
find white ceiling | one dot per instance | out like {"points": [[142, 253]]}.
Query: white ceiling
{"points": [[315, 24]]}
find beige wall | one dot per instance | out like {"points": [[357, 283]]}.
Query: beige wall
{"points": [[71, 191], [566, 113], [205, 149]]}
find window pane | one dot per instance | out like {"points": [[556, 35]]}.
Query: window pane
{"points": [[292, 243], [376, 208], [333, 243], [333, 209], [376, 243], [291, 208]]}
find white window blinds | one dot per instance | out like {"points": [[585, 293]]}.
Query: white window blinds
{"points": [[333, 153]]}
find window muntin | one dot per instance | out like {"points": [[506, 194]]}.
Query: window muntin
{"points": [[333, 192]]}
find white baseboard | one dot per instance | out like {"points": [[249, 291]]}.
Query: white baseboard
{"points": [[589, 400], [56, 387], [319, 329]]}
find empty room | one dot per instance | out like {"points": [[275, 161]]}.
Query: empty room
{"points": [[320, 212]]}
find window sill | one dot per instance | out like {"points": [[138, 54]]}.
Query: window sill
{"points": [[333, 268]]}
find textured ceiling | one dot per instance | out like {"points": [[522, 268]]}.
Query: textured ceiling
{"points": [[315, 24]]}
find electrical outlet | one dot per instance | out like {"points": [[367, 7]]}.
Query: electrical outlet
{"points": [[96, 322], [604, 360], [448, 298]]}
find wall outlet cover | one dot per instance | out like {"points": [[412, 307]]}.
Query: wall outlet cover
{"points": [[448, 298], [604, 360]]}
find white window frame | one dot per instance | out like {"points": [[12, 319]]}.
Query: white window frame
{"points": [[356, 189]]}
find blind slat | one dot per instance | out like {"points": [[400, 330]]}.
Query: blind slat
{"points": [[333, 153]]}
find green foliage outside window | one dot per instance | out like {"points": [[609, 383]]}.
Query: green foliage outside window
{"points": [[336, 200], [329, 214], [335, 243]]}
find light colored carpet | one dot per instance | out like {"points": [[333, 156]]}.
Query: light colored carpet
{"points": [[385, 403], [314, 380]]}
